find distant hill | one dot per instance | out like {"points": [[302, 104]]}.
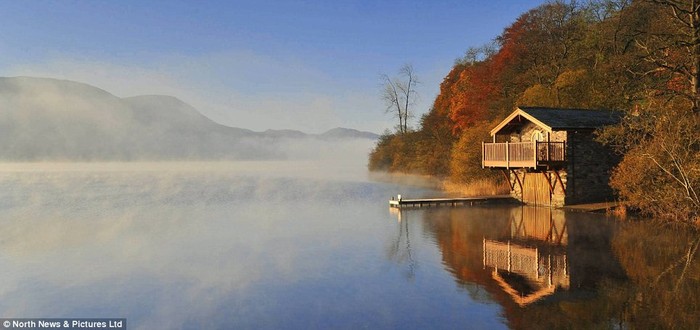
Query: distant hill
{"points": [[338, 133], [347, 133], [50, 119]]}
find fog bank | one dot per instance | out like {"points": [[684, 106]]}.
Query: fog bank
{"points": [[45, 119]]}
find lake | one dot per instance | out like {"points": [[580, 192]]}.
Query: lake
{"points": [[313, 244]]}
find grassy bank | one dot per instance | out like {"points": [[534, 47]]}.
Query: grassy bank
{"points": [[481, 187]]}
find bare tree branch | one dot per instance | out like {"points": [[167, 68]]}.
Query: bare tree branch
{"points": [[400, 95]]}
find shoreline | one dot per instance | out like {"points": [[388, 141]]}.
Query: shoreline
{"points": [[486, 187], [450, 188]]}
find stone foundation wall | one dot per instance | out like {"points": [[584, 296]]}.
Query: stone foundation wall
{"points": [[589, 166]]}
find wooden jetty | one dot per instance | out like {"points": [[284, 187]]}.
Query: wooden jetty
{"points": [[420, 202]]}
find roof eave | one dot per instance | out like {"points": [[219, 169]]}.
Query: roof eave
{"points": [[516, 113]]}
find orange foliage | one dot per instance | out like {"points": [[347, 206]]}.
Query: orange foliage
{"points": [[512, 45], [442, 102], [677, 84], [468, 92], [471, 95]]}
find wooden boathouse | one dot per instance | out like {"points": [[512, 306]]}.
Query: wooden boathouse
{"points": [[550, 156]]}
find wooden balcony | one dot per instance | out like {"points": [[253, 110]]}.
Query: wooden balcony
{"points": [[523, 154]]}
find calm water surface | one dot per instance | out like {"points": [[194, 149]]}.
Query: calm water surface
{"points": [[314, 245]]}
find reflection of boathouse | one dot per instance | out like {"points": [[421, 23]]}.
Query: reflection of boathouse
{"points": [[530, 262], [523, 257], [563, 269], [556, 258]]}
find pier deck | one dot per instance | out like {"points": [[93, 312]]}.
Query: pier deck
{"points": [[420, 202]]}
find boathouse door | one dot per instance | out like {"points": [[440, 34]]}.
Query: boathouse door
{"points": [[536, 189]]}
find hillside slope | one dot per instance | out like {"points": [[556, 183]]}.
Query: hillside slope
{"points": [[50, 119]]}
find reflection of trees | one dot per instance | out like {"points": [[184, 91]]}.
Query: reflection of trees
{"points": [[657, 295], [583, 239], [400, 249], [665, 277], [620, 275]]}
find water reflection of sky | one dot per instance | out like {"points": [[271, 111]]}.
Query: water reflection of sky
{"points": [[245, 246], [202, 248]]}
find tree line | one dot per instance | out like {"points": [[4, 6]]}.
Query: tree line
{"points": [[637, 56]]}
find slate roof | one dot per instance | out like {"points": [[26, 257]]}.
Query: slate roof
{"points": [[560, 119]]}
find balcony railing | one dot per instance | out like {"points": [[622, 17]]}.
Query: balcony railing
{"points": [[522, 154]]}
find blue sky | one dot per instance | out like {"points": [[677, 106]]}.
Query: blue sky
{"points": [[307, 65]]}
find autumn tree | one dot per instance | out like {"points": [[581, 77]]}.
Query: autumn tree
{"points": [[472, 94], [660, 170], [435, 144], [671, 43], [610, 57], [465, 164], [642, 57], [399, 95]]}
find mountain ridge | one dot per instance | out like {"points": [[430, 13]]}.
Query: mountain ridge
{"points": [[47, 118]]}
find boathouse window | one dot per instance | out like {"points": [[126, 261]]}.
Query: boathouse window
{"points": [[537, 136]]}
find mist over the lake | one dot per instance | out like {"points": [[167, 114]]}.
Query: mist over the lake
{"points": [[165, 243], [57, 120]]}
